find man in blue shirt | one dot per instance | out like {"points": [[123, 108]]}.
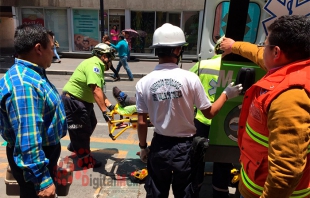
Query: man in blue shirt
{"points": [[32, 115], [122, 48]]}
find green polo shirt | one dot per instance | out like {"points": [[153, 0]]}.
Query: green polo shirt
{"points": [[90, 71]]}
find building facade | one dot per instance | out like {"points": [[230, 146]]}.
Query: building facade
{"points": [[77, 23]]}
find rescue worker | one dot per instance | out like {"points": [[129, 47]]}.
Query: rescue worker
{"points": [[208, 71], [274, 122], [85, 87], [168, 95]]}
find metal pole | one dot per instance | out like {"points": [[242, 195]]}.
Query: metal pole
{"points": [[102, 18]]}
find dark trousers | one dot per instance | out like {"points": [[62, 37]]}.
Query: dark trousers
{"points": [[114, 71], [202, 130], [221, 171], [221, 179], [27, 189], [81, 121], [169, 163]]}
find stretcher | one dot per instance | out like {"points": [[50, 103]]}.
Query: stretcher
{"points": [[127, 115]]}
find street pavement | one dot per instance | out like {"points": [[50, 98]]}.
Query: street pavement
{"points": [[119, 157]]}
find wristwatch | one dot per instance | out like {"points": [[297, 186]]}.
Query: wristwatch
{"points": [[142, 147]]}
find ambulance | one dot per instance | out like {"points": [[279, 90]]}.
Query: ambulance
{"points": [[241, 20]]}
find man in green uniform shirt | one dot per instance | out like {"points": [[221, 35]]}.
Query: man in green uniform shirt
{"points": [[84, 88]]}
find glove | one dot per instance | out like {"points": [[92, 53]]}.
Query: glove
{"points": [[143, 154], [105, 116], [111, 107], [233, 91]]}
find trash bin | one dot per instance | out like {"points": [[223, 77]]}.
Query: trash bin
{"points": [[12, 187], [64, 176]]}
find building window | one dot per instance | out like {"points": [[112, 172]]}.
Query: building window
{"points": [[143, 22], [85, 29], [32, 16], [221, 15], [190, 26], [56, 20], [168, 17]]}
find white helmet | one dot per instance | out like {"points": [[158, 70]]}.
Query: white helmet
{"points": [[103, 48], [168, 36]]}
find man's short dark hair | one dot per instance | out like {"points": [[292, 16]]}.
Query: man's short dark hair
{"points": [[292, 34], [164, 51], [27, 36]]}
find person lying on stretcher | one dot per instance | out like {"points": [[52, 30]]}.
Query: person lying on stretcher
{"points": [[126, 104]]}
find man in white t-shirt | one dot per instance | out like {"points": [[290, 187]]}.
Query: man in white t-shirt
{"points": [[168, 95]]}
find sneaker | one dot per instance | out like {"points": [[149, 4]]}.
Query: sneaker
{"points": [[117, 79], [130, 79], [112, 76]]}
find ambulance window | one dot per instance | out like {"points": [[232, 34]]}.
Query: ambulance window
{"points": [[221, 16]]}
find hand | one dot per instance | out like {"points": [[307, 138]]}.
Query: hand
{"points": [[143, 154], [111, 107], [107, 42], [233, 91], [48, 192], [226, 46], [105, 116]]}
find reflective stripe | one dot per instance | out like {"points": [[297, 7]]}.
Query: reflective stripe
{"points": [[251, 185], [258, 190], [257, 137], [301, 193], [209, 71]]}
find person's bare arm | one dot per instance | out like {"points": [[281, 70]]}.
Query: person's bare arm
{"points": [[99, 96], [215, 108], [142, 128]]}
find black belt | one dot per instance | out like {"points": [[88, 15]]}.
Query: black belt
{"points": [[68, 95], [173, 138]]}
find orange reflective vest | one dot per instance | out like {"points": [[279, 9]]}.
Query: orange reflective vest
{"points": [[253, 131]]}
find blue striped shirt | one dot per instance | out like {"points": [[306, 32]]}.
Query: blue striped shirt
{"points": [[32, 115]]}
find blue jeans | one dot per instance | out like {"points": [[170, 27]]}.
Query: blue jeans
{"points": [[241, 196], [55, 52], [123, 61]]}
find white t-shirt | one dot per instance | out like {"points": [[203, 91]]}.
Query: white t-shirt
{"points": [[168, 94]]}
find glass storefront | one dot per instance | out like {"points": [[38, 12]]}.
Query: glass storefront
{"points": [[32, 16], [142, 21], [56, 20], [85, 29], [190, 26]]}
